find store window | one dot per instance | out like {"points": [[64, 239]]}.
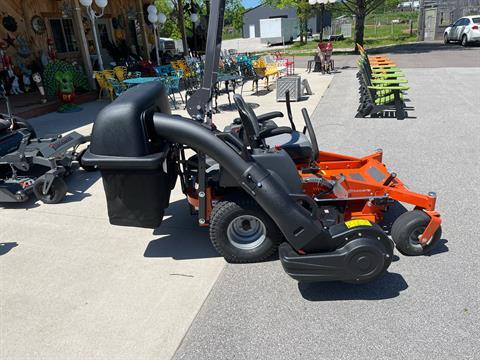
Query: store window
{"points": [[63, 35]]}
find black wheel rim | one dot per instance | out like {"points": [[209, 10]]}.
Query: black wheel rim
{"points": [[246, 232], [50, 194], [414, 237]]}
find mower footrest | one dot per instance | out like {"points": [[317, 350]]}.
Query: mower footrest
{"points": [[360, 260]]}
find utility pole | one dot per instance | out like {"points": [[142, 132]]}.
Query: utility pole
{"points": [[181, 23], [421, 22], [80, 32]]}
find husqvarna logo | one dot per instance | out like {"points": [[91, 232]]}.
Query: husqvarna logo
{"points": [[60, 142]]}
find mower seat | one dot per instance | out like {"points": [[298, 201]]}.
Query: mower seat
{"points": [[295, 143]]}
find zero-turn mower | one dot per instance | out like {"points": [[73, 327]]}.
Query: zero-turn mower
{"points": [[257, 186]]}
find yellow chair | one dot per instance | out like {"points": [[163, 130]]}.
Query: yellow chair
{"points": [[183, 66], [109, 74], [265, 70], [103, 84], [120, 72]]}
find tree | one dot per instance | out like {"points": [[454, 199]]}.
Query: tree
{"points": [[361, 8], [234, 14], [175, 29], [304, 12], [170, 28]]}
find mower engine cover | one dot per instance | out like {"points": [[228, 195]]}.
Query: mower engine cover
{"points": [[137, 173]]}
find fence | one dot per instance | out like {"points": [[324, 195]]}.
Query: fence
{"points": [[377, 26]]}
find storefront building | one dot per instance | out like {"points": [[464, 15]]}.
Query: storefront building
{"points": [[35, 32]]}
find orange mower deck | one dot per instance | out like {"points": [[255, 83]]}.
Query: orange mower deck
{"points": [[367, 188]]}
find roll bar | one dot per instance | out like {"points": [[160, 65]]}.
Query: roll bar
{"points": [[199, 104]]}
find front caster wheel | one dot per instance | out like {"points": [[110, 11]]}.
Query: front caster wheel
{"points": [[55, 194], [243, 233], [406, 231]]}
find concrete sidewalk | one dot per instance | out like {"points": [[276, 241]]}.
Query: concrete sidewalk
{"points": [[74, 287]]}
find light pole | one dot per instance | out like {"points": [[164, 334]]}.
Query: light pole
{"points": [[156, 18], [195, 18], [93, 15]]}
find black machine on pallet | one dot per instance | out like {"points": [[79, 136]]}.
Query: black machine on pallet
{"points": [[29, 164]]}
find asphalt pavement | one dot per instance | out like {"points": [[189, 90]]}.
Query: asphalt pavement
{"points": [[424, 307], [416, 55]]}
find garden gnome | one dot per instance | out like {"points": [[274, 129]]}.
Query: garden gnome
{"points": [[37, 79], [16, 86], [26, 73], [52, 53]]}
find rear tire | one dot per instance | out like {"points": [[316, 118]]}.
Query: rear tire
{"points": [[56, 193], [464, 41], [407, 228], [445, 39], [243, 232]]}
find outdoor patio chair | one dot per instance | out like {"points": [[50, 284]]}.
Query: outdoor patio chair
{"points": [[117, 86], [108, 74], [248, 74], [165, 70], [104, 85], [172, 86], [315, 64], [381, 95], [326, 51], [120, 72], [280, 66], [375, 60], [183, 66], [386, 73], [283, 60], [265, 71]]}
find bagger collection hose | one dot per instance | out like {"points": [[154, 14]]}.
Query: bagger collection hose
{"points": [[300, 229]]}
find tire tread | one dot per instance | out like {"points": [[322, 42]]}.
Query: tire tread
{"points": [[221, 210]]}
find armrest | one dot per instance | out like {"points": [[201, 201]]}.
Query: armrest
{"points": [[377, 67], [388, 76], [269, 132], [230, 138], [269, 116], [397, 81], [401, 88], [387, 70]]}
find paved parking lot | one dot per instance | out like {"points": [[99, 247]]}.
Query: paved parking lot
{"points": [[418, 55], [425, 307]]}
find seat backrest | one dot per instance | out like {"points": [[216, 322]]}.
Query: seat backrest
{"points": [[120, 72], [102, 81], [109, 74], [249, 122]]}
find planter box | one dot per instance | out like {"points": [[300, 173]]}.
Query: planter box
{"points": [[292, 84]]}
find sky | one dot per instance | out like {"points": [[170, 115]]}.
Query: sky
{"points": [[250, 3]]}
